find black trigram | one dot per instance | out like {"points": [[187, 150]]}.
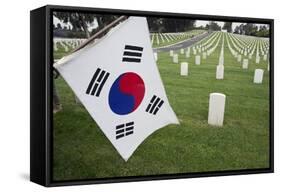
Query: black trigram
{"points": [[154, 105], [124, 130], [97, 82], [132, 54]]}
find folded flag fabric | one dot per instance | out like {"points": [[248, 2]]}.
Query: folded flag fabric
{"points": [[117, 80]]}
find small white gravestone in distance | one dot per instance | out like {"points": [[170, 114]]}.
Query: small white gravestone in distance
{"points": [[175, 58], [216, 109], [239, 58], [265, 57], [258, 76], [171, 53], [197, 59], [187, 54], [268, 66], [184, 69], [219, 72], [204, 55], [155, 56], [245, 64], [257, 59], [194, 51], [182, 51]]}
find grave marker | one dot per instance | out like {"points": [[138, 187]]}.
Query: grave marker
{"points": [[216, 109], [171, 53], [258, 76], [182, 51], [245, 64], [220, 72], [184, 69], [239, 58], [175, 58], [197, 59], [257, 59], [204, 55]]}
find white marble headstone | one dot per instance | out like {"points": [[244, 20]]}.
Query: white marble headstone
{"points": [[216, 109], [220, 72], [239, 58], [171, 53], [257, 59], [184, 69], [258, 76], [204, 55], [175, 58], [245, 64], [187, 54], [197, 59]]}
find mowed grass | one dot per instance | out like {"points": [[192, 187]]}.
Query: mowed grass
{"points": [[81, 150]]}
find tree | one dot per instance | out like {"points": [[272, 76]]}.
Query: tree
{"points": [[165, 25], [263, 31], [252, 29], [59, 26], [80, 21], [213, 26], [228, 26], [104, 20], [237, 30]]}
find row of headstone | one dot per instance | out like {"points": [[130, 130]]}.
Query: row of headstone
{"points": [[217, 100], [245, 61], [202, 47], [176, 56], [220, 66], [161, 38], [67, 43], [247, 50]]}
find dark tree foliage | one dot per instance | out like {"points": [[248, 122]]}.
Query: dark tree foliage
{"points": [[80, 21], [252, 29], [213, 26], [166, 25], [263, 31], [237, 30], [228, 26]]}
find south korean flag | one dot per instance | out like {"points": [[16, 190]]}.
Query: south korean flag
{"points": [[117, 80]]}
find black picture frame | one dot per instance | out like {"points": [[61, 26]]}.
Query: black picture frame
{"points": [[41, 60]]}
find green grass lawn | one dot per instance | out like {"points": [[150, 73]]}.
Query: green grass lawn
{"points": [[81, 150]]}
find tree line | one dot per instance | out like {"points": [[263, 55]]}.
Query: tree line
{"points": [[80, 22]]}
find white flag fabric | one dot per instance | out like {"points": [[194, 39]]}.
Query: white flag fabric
{"points": [[118, 82]]}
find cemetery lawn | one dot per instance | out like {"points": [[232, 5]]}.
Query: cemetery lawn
{"points": [[81, 150]]}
